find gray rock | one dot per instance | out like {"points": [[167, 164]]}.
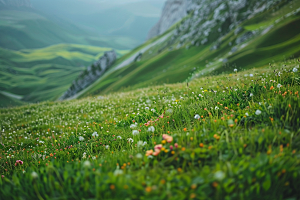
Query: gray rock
{"points": [[91, 74]]}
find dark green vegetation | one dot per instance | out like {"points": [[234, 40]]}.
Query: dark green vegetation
{"points": [[231, 136], [44, 74], [165, 63]]}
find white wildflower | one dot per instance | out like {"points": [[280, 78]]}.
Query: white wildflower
{"points": [[197, 116], [251, 94], [84, 155], [81, 138], [107, 146], [135, 132], [295, 70], [119, 137], [216, 108], [251, 75], [34, 175], [257, 112], [279, 85], [246, 114], [219, 175], [139, 156], [118, 171], [86, 163], [146, 108], [94, 157], [133, 126], [235, 70], [130, 140], [151, 129], [95, 134]]}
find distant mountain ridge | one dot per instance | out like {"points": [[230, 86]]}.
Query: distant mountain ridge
{"points": [[16, 3]]}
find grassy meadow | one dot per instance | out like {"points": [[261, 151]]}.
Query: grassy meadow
{"points": [[228, 136]]}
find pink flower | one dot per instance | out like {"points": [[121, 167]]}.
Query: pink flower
{"points": [[158, 147], [171, 147], [2, 176], [176, 145]]}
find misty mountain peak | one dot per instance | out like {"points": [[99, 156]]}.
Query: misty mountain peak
{"points": [[15, 3]]}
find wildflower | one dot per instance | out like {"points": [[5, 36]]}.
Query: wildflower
{"points": [[257, 112], [251, 75], [81, 138], [107, 146], [84, 155], [150, 157], [118, 171], [94, 157], [219, 175], [158, 147], [130, 140], [216, 108], [119, 137], [150, 152], [197, 116], [86, 163], [24, 171], [251, 94], [168, 138], [139, 156], [135, 132], [279, 85], [151, 129], [295, 70], [246, 114], [95, 134], [133, 126], [235, 70], [34, 175], [140, 143], [146, 108]]}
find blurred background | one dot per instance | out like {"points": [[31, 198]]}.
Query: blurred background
{"points": [[66, 49]]}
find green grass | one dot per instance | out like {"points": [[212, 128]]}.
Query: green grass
{"points": [[46, 73], [231, 136]]}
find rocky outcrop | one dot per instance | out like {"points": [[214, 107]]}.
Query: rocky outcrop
{"points": [[15, 3], [173, 11], [91, 74]]}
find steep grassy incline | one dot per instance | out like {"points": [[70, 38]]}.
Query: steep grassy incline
{"points": [[224, 137], [44, 74], [275, 36]]}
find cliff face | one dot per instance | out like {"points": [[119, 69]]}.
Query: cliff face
{"points": [[15, 3], [173, 11], [91, 74]]}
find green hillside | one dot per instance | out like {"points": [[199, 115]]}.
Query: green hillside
{"points": [[221, 137], [44, 74], [166, 63]]}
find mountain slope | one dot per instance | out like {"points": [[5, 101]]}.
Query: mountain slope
{"points": [[44, 74], [208, 43]]}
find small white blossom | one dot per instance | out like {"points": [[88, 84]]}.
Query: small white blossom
{"points": [[133, 126], [219, 175], [251, 75], [86, 163], [257, 112], [279, 85], [197, 116], [139, 156], [34, 175], [95, 134], [151, 129], [119, 137], [216, 108], [81, 138], [107, 146], [130, 140], [246, 114], [94, 157], [135, 132], [146, 108], [295, 70], [235, 70], [251, 94]]}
